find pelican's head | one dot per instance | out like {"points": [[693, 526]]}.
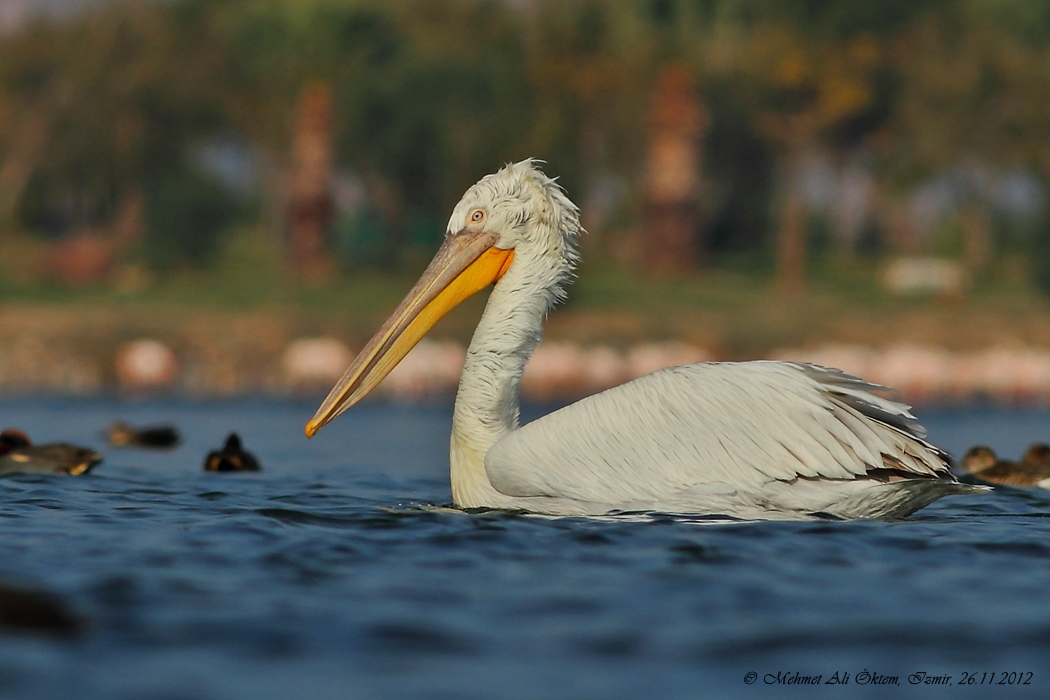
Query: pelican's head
{"points": [[515, 217], [524, 209]]}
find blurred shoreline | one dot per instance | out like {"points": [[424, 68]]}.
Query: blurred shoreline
{"points": [[932, 351]]}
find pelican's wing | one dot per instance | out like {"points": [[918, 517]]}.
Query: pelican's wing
{"points": [[738, 424]]}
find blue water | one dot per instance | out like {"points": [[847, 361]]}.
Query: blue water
{"points": [[331, 574]]}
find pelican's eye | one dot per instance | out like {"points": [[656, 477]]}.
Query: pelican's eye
{"points": [[477, 216]]}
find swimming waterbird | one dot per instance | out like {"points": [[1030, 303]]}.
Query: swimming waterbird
{"points": [[982, 463], [231, 458], [749, 440], [36, 611], [160, 437], [19, 455]]}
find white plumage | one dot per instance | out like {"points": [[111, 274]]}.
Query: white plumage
{"points": [[749, 440], [757, 439]]}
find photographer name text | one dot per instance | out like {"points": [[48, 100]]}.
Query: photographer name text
{"points": [[868, 677]]}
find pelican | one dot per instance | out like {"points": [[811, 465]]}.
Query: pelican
{"points": [[751, 440]]}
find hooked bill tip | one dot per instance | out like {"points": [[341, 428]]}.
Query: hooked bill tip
{"points": [[311, 429]]}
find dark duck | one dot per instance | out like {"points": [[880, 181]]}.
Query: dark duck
{"points": [[231, 458], [1033, 470], [152, 437], [19, 455], [27, 610]]}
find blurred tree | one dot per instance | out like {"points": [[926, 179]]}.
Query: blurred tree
{"points": [[311, 208], [974, 95], [1041, 256], [419, 115], [100, 111], [973, 85], [591, 65], [805, 92], [676, 127], [185, 212], [112, 98]]}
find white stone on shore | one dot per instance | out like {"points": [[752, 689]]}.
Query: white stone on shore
{"points": [[851, 359], [924, 373], [146, 365], [919, 372], [29, 364], [313, 363], [432, 367], [603, 368], [649, 357], [1005, 374], [560, 370], [556, 369], [926, 275]]}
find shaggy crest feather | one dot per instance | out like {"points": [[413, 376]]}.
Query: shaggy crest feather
{"points": [[534, 209]]}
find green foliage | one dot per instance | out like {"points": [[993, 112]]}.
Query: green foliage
{"points": [[1041, 257], [360, 240], [104, 105], [99, 103], [185, 214]]}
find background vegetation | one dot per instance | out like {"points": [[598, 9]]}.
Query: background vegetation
{"points": [[156, 136]]}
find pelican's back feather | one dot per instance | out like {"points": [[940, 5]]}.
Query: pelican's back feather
{"points": [[738, 424]]}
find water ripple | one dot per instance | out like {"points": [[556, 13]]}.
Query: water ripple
{"points": [[320, 577]]}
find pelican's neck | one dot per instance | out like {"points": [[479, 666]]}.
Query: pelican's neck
{"points": [[487, 400]]}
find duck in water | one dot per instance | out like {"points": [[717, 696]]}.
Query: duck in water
{"points": [[231, 458], [19, 455], [152, 437], [30, 610], [982, 463]]}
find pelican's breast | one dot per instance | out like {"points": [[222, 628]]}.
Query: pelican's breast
{"points": [[741, 425]]}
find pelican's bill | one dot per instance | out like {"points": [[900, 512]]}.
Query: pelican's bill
{"points": [[465, 264]]}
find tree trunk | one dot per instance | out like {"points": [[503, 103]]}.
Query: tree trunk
{"points": [[27, 143], [977, 238], [312, 207], [669, 242], [791, 244]]}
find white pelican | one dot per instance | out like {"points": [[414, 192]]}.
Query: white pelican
{"points": [[747, 440]]}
